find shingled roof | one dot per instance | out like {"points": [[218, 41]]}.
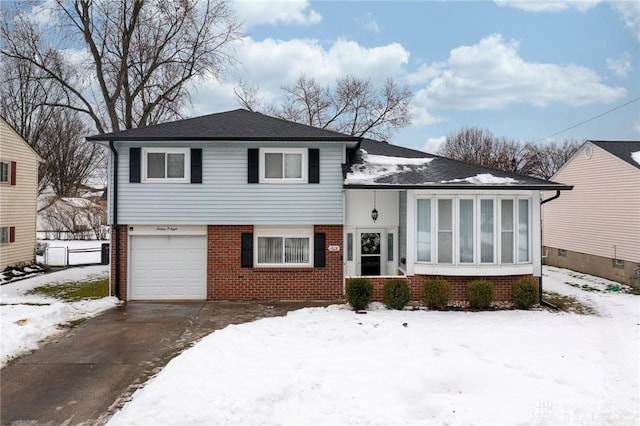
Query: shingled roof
{"points": [[379, 165], [621, 149], [236, 125]]}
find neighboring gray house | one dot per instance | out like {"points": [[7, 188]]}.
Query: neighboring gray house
{"points": [[240, 205], [596, 227]]}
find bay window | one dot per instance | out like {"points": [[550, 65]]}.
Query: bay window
{"points": [[473, 230]]}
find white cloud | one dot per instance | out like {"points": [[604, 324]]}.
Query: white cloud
{"points": [[548, 6], [492, 75], [629, 12], [256, 12], [272, 63], [621, 66], [432, 145], [369, 23]]}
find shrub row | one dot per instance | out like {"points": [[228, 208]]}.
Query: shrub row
{"points": [[435, 293]]}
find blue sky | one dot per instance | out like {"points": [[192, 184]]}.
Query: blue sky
{"points": [[522, 69]]}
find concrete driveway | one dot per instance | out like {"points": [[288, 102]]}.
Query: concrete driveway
{"points": [[91, 371]]}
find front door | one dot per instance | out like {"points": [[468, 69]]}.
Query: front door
{"points": [[370, 253]]}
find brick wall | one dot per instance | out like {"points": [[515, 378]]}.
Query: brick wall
{"points": [[123, 261], [502, 286], [227, 280]]}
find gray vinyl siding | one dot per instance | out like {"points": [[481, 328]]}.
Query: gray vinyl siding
{"points": [[225, 197]]}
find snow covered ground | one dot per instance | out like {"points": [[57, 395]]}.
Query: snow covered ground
{"points": [[326, 366], [27, 320]]}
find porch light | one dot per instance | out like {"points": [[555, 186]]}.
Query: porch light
{"points": [[374, 212]]}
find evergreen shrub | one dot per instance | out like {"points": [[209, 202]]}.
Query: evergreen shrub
{"points": [[480, 293], [435, 293], [525, 293], [359, 293], [396, 294]]}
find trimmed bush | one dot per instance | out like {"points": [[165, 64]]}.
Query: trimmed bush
{"points": [[396, 294], [525, 293], [359, 293], [435, 293], [480, 293]]}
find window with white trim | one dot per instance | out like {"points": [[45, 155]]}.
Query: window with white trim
{"points": [[283, 164], [4, 235], [473, 230], [287, 247], [4, 171], [165, 164]]}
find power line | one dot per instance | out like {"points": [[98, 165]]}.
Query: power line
{"points": [[590, 119]]}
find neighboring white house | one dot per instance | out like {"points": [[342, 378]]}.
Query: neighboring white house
{"points": [[596, 227], [18, 195]]}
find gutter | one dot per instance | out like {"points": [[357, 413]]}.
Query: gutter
{"points": [[114, 225]]}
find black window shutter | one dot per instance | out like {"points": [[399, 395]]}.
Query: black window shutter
{"points": [[134, 164], [319, 240], [247, 250], [196, 165], [253, 161], [314, 165]]}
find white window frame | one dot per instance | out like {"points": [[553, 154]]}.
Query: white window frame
{"points": [[304, 175], [4, 235], [187, 164], [282, 233], [477, 232], [8, 166], [496, 227], [432, 217]]}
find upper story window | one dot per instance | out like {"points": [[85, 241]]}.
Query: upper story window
{"points": [[474, 230], [4, 172], [165, 164], [4, 235], [283, 165]]}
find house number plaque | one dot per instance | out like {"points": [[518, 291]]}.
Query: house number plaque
{"points": [[334, 248]]}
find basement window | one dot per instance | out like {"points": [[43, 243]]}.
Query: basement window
{"points": [[562, 253], [618, 263]]}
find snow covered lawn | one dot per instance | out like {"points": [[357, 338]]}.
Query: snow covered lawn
{"points": [[27, 320], [332, 366]]}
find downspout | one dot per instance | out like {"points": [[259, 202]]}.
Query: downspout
{"points": [[542, 301], [115, 227]]}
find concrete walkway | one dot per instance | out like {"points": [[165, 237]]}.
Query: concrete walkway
{"points": [[92, 370]]}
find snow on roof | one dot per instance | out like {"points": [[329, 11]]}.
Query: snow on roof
{"points": [[485, 178], [636, 156], [377, 166]]}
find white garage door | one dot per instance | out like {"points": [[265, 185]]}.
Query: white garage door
{"points": [[168, 267]]}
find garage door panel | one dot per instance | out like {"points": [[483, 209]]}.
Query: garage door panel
{"points": [[168, 267]]}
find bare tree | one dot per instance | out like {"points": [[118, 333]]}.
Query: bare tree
{"points": [[70, 160], [135, 57], [55, 133], [478, 146], [546, 160], [353, 106]]}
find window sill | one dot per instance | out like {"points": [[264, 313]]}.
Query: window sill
{"points": [[283, 268]]}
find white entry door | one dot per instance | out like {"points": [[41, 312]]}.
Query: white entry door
{"points": [[168, 267]]}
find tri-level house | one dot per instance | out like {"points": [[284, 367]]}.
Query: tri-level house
{"points": [[18, 196], [240, 205]]}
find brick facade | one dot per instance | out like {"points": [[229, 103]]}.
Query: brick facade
{"points": [[457, 285], [124, 247], [228, 280]]}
